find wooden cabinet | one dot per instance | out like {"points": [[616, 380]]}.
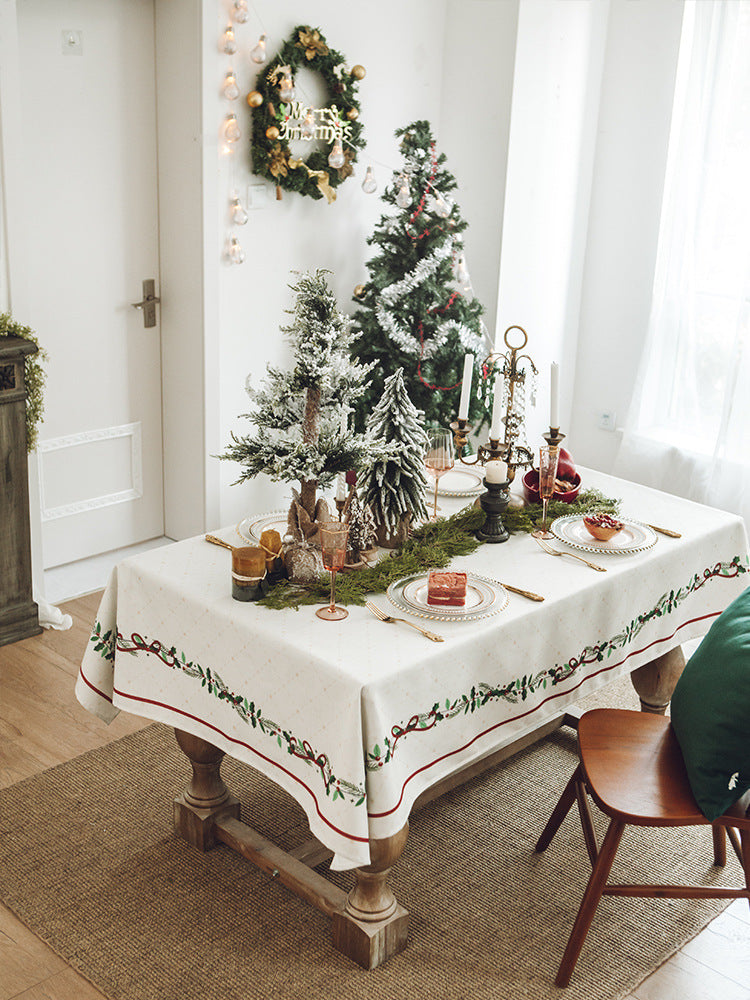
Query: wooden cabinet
{"points": [[19, 616]]}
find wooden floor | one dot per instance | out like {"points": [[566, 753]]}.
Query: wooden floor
{"points": [[42, 724]]}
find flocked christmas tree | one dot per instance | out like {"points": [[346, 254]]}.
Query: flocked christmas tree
{"points": [[417, 311], [298, 414], [394, 484]]}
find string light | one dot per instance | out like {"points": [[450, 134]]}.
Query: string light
{"points": [[336, 157], [287, 93], [240, 12], [307, 129], [258, 54], [229, 45], [231, 129], [403, 198], [236, 253], [239, 215], [369, 184], [229, 89]]}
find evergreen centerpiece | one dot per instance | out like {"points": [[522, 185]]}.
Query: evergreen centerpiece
{"points": [[416, 310], [298, 414], [395, 482]]}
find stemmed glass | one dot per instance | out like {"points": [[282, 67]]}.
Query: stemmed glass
{"points": [[439, 459], [333, 541], [547, 474]]}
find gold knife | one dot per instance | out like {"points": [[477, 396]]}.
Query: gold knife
{"points": [[664, 531], [524, 593]]}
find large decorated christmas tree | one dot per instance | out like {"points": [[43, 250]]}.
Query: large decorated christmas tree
{"points": [[416, 311], [300, 416]]}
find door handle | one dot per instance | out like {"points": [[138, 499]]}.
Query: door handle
{"points": [[148, 304]]}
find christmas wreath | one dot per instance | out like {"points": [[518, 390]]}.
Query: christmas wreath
{"points": [[273, 118]]}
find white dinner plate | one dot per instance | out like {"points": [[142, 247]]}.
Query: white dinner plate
{"points": [[634, 536], [251, 528], [484, 597], [459, 482]]}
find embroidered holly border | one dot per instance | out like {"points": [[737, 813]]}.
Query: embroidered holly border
{"points": [[109, 642], [520, 688]]}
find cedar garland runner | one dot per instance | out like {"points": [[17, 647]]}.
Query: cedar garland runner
{"points": [[271, 156]]}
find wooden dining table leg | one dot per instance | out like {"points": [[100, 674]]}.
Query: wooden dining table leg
{"points": [[373, 926], [654, 682], [206, 798]]}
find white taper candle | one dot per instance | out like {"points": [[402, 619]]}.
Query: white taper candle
{"points": [[554, 395], [497, 404], [463, 406]]}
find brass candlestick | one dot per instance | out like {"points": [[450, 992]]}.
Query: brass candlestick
{"points": [[514, 368]]}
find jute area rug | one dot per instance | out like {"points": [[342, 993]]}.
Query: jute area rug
{"points": [[89, 863]]}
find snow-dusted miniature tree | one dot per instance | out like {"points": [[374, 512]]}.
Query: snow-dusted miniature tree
{"points": [[394, 483], [298, 414]]}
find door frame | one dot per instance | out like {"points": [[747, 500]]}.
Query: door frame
{"points": [[189, 234]]}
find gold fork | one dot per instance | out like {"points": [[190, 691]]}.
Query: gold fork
{"points": [[387, 618], [557, 552]]}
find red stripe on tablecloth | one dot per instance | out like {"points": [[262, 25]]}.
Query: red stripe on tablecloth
{"points": [[96, 690], [523, 715], [232, 739]]}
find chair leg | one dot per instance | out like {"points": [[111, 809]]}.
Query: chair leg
{"points": [[720, 845], [560, 811], [590, 901]]}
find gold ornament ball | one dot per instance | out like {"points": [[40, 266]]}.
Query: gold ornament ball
{"points": [[358, 72], [359, 291], [272, 132], [254, 99], [352, 114]]}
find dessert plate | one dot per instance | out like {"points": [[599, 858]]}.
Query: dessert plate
{"points": [[484, 597], [459, 482], [634, 537]]}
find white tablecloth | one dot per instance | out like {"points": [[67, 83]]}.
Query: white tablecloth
{"points": [[356, 718]]}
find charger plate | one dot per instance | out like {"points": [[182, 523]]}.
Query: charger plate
{"points": [[634, 537], [459, 482], [251, 528], [484, 597]]}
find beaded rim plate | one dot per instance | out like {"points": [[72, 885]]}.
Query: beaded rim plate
{"points": [[458, 483], [484, 597], [251, 528], [634, 537]]}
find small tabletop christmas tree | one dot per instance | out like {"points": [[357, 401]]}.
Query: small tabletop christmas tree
{"points": [[394, 484], [298, 414], [417, 312]]}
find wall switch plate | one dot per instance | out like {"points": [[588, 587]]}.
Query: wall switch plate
{"points": [[72, 43], [608, 420], [257, 196]]}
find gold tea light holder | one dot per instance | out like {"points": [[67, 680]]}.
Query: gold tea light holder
{"points": [[510, 370]]}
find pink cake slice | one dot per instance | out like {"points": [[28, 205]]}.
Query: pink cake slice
{"points": [[446, 588]]}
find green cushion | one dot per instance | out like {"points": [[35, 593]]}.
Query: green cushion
{"points": [[711, 711]]}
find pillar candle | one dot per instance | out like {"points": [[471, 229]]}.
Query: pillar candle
{"points": [[497, 404], [496, 471], [463, 406], [554, 402]]}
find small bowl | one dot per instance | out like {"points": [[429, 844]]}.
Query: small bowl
{"points": [[531, 488]]}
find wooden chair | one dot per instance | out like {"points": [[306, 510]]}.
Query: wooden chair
{"points": [[631, 764]]}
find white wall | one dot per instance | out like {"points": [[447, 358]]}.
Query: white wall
{"points": [[558, 67], [401, 47], [477, 78], [636, 105]]}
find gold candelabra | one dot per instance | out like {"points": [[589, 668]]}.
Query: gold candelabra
{"points": [[514, 368]]}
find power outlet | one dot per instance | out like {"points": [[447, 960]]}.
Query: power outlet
{"points": [[257, 196], [608, 420]]}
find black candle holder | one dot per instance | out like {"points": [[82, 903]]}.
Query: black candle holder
{"points": [[494, 503]]}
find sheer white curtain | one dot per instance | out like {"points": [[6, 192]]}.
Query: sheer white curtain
{"points": [[688, 430]]}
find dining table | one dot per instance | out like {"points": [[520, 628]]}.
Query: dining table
{"points": [[361, 721]]}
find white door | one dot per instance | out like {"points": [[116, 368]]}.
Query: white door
{"points": [[89, 120]]}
